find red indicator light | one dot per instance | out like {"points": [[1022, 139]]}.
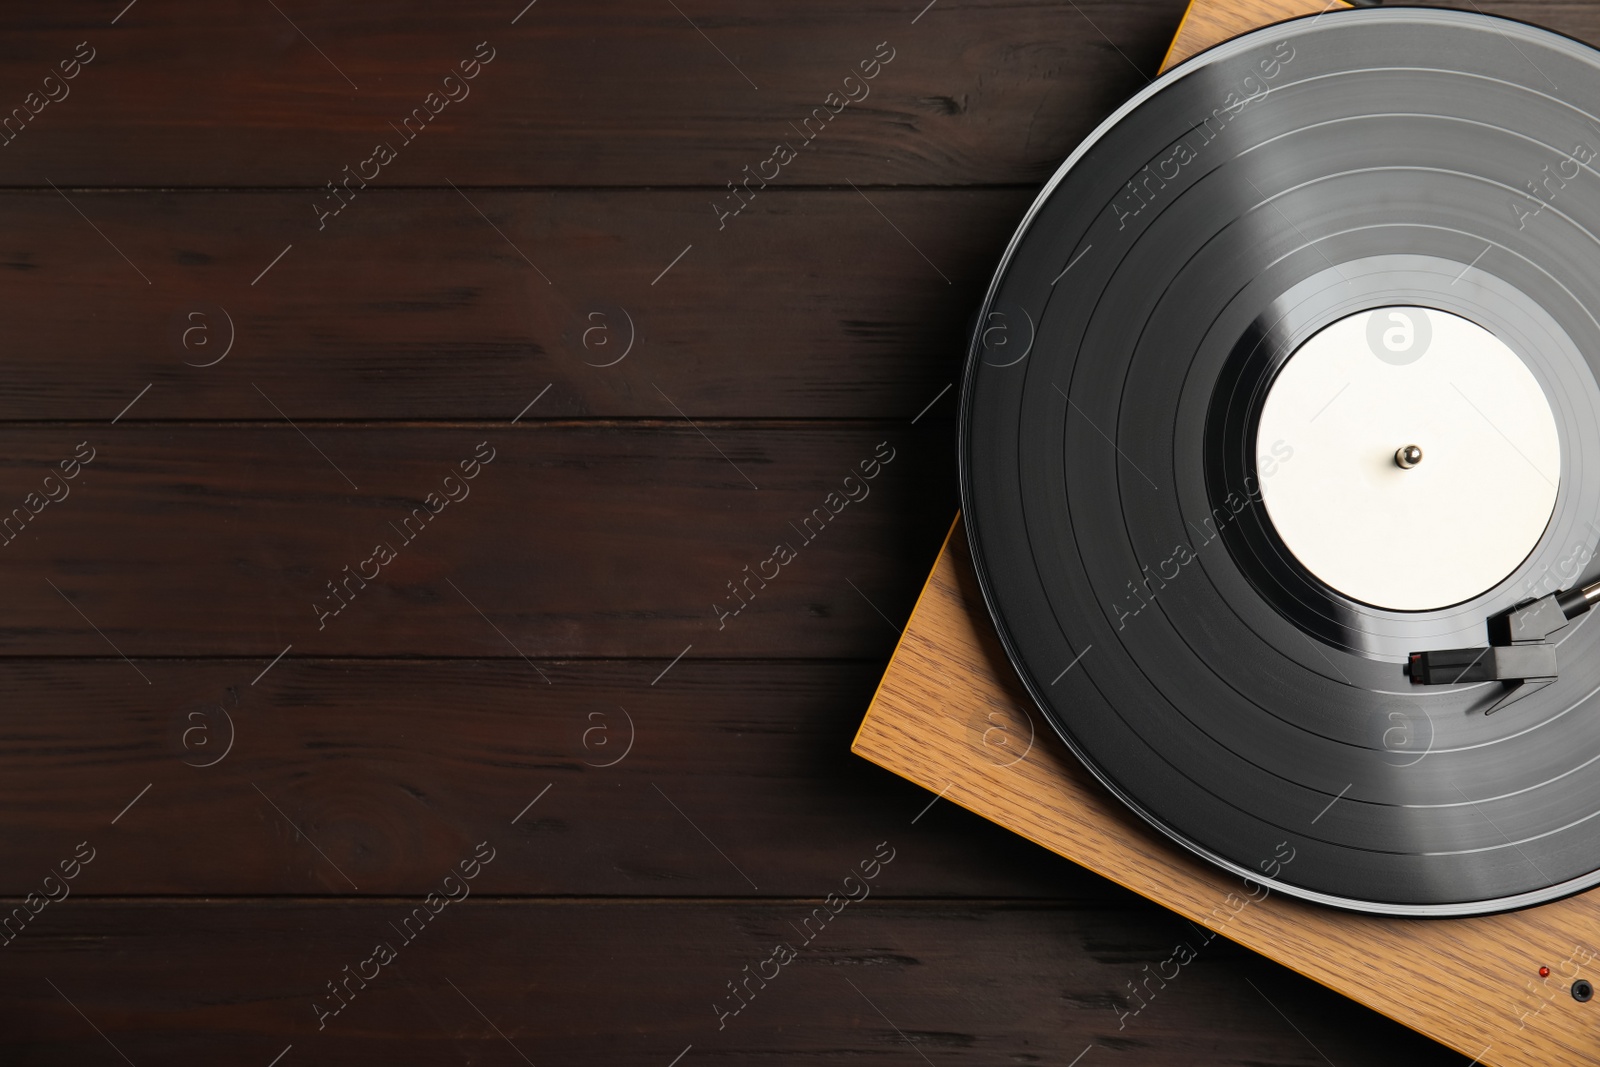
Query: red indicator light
{"points": [[1544, 972]]}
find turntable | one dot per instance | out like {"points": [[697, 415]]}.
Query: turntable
{"points": [[1279, 441]]}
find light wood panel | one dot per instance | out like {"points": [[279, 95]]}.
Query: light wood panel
{"points": [[1210, 22], [951, 716]]}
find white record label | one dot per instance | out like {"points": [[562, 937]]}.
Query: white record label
{"points": [[1423, 458]]}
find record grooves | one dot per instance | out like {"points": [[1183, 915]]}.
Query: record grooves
{"points": [[1396, 199]]}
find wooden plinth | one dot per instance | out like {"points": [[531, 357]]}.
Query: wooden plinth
{"points": [[951, 716]]}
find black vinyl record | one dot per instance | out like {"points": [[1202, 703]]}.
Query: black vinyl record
{"points": [[1237, 206]]}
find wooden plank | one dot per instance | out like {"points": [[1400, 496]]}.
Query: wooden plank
{"points": [[597, 544], [392, 767], [368, 321], [236, 93], [576, 540], [193, 94], [636, 983]]}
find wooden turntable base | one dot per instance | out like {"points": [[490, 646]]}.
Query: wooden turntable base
{"points": [[951, 716]]}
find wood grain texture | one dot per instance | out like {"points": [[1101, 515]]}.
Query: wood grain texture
{"points": [[198, 141], [396, 768], [366, 320], [1214, 21], [231, 94], [576, 540], [635, 983], [1469, 983], [626, 93]]}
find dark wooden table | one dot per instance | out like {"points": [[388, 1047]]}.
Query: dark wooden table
{"points": [[373, 691]]}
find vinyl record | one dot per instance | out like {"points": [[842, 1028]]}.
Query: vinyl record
{"points": [[1288, 374]]}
